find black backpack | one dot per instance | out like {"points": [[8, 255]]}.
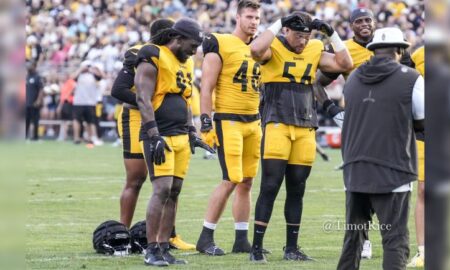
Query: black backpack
{"points": [[111, 238]]}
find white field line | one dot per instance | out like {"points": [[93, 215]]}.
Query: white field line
{"points": [[72, 178], [199, 195], [178, 221], [100, 257]]}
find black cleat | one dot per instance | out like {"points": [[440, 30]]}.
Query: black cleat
{"points": [[169, 257], [257, 256], [242, 247], [210, 249], [295, 254], [154, 257]]}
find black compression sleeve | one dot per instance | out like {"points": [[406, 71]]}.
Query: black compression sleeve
{"points": [[121, 88]]}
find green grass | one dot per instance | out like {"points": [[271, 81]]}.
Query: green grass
{"points": [[72, 189]]}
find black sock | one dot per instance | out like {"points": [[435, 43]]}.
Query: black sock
{"points": [[292, 232], [207, 234], [258, 236], [174, 233], [241, 235]]}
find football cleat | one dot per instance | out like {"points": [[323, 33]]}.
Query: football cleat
{"points": [[241, 247], [169, 257], [154, 257], [417, 261], [295, 254], [257, 256], [366, 252], [210, 249], [178, 243]]}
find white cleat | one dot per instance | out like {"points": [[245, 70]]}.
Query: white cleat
{"points": [[367, 250], [417, 261]]}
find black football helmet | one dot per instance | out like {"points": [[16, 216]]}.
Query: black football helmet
{"points": [[112, 238], [138, 237]]}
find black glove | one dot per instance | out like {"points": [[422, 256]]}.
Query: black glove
{"points": [[323, 27], [206, 123], [330, 108], [293, 22], [157, 146], [195, 141]]}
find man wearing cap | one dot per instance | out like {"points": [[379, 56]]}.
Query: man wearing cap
{"points": [[164, 85], [288, 66], [384, 106], [129, 125], [362, 22]]}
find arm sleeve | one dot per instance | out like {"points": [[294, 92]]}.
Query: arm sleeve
{"points": [[130, 59], [148, 54], [330, 75], [418, 99], [210, 45], [121, 88]]}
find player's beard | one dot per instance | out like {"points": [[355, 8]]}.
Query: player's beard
{"points": [[248, 31], [367, 36], [181, 56]]}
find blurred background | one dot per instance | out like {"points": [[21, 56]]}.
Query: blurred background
{"points": [[61, 35]]}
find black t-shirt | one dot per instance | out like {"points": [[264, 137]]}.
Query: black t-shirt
{"points": [[33, 87]]}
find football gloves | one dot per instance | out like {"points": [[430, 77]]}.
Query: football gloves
{"points": [[294, 22], [208, 133], [157, 146], [195, 141], [323, 27]]}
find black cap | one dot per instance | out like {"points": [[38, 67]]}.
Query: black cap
{"points": [[188, 28], [360, 12], [159, 25]]}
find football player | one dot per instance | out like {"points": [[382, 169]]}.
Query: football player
{"points": [[418, 59], [163, 80], [229, 70], [289, 64], [129, 124]]}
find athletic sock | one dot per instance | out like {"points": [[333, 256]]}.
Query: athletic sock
{"points": [[208, 231], [258, 236], [292, 235], [241, 229], [173, 233]]}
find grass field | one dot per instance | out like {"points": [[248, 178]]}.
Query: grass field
{"points": [[72, 189]]}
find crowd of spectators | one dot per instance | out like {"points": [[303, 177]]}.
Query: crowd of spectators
{"points": [[62, 34]]}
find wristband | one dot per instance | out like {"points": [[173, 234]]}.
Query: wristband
{"points": [[149, 125], [338, 45], [206, 122], [275, 27]]}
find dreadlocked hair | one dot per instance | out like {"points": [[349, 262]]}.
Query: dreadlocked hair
{"points": [[164, 37]]}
